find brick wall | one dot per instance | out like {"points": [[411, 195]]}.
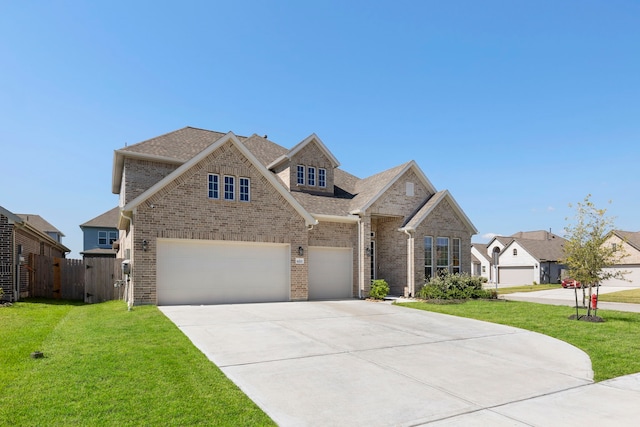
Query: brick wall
{"points": [[141, 175], [6, 258], [311, 155]]}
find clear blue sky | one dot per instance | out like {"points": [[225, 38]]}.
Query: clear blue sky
{"points": [[517, 107]]}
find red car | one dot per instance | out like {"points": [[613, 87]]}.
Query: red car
{"points": [[570, 283]]}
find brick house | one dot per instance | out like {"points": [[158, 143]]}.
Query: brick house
{"points": [[208, 217], [20, 236]]}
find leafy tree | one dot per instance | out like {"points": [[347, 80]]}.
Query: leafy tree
{"points": [[585, 252]]}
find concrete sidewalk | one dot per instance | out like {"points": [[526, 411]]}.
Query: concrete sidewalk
{"points": [[361, 363]]}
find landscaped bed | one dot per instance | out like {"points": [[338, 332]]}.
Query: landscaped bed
{"points": [[104, 365]]}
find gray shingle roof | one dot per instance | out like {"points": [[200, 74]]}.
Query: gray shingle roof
{"points": [[39, 223], [544, 250], [368, 188], [181, 144], [107, 219]]}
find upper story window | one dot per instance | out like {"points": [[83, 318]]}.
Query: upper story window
{"points": [[300, 175], [311, 175], [244, 189], [515, 252], [229, 188], [614, 247], [102, 237], [322, 177], [113, 236], [214, 186]]}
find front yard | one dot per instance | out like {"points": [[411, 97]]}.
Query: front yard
{"points": [[104, 365]]}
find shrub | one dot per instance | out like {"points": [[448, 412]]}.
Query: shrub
{"points": [[379, 289], [456, 286]]}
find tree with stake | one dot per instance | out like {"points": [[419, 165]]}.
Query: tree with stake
{"points": [[585, 253]]}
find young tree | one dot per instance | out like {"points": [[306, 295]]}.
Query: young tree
{"points": [[585, 253]]}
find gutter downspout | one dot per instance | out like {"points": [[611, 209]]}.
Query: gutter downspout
{"points": [[128, 288], [410, 263], [360, 257]]}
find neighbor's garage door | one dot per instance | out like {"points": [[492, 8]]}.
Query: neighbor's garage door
{"points": [[631, 278], [330, 272], [217, 272], [515, 275]]}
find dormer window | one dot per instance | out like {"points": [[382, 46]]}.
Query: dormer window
{"points": [[311, 176], [322, 177], [300, 175]]}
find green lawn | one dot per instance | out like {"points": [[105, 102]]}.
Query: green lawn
{"points": [[630, 296], [106, 366], [613, 346]]}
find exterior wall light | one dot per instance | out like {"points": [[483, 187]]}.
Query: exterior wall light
{"points": [[145, 245]]}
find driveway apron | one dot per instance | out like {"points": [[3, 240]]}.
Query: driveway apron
{"points": [[362, 363]]}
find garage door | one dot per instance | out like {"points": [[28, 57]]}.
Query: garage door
{"points": [[631, 278], [219, 272], [330, 273], [515, 275]]}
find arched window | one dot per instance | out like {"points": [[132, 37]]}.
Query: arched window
{"points": [[515, 252]]}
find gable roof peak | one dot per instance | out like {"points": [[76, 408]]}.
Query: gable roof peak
{"points": [[313, 138]]}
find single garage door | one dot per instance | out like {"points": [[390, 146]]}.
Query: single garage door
{"points": [[631, 278], [220, 272], [515, 275], [330, 273]]}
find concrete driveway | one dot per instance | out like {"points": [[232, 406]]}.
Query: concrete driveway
{"points": [[361, 363]]}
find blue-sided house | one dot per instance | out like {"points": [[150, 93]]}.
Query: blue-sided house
{"points": [[99, 234]]}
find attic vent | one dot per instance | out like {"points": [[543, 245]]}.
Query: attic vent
{"points": [[410, 191]]}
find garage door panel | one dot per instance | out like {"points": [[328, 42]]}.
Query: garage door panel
{"points": [[216, 272], [330, 273], [515, 275]]}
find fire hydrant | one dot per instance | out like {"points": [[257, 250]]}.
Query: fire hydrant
{"points": [[594, 301]]}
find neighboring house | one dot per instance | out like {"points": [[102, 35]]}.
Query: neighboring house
{"points": [[99, 234], [480, 261], [628, 244], [20, 236], [524, 258], [209, 217]]}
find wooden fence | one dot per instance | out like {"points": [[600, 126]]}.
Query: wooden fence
{"points": [[91, 280]]}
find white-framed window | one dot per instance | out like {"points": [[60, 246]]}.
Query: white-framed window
{"points": [[428, 257], [322, 177], [456, 253], [113, 236], [214, 186], [229, 187], [245, 190], [102, 237], [311, 175], [442, 255], [515, 252], [300, 175]]}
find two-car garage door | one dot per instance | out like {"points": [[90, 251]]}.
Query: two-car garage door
{"points": [[219, 272]]}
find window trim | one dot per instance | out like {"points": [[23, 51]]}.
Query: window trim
{"points": [[114, 238], [230, 194], [102, 240], [300, 175], [242, 194], [213, 193]]}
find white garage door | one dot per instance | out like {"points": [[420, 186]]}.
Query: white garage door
{"points": [[515, 275], [631, 278], [219, 272], [330, 272]]}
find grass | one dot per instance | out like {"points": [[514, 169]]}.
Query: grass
{"points": [[613, 346], [527, 288], [107, 366], [630, 296]]}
